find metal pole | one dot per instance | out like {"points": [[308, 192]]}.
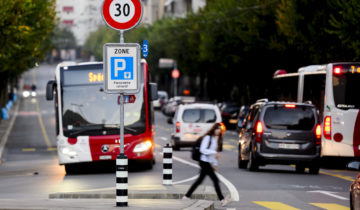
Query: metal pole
{"points": [[121, 37], [175, 80], [122, 102], [122, 164]]}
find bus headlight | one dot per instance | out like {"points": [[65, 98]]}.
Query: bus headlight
{"points": [[67, 151], [143, 146]]}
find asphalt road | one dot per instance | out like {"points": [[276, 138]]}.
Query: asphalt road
{"points": [[30, 168]]}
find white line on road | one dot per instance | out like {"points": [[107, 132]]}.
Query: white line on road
{"points": [[186, 180], [233, 192], [332, 194], [163, 138]]}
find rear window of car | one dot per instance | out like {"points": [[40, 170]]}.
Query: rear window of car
{"points": [[298, 118], [199, 116]]}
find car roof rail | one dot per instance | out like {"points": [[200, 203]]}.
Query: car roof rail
{"points": [[262, 100]]}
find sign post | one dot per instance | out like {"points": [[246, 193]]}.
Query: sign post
{"points": [[122, 73]]}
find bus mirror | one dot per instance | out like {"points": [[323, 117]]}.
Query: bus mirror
{"points": [[153, 91], [50, 90]]}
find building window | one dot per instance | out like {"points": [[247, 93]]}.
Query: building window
{"points": [[68, 23], [68, 9]]}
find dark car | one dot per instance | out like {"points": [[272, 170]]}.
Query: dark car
{"points": [[355, 186], [280, 133], [229, 114], [241, 117]]}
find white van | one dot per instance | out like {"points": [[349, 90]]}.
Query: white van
{"points": [[192, 121]]}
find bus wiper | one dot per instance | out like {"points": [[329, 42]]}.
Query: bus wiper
{"points": [[86, 128], [116, 126]]}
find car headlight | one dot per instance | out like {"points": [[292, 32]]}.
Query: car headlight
{"points": [[26, 93], [33, 93], [142, 147], [67, 151]]}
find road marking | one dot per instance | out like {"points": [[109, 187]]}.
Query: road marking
{"points": [[43, 130], [51, 149], [330, 206], [348, 178], [332, 194], [186, 180], [233, 192], [274, 205], [157, 146], [28, 149], [228, 147], [163, 138]]}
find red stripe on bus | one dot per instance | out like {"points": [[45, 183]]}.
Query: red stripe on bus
{"points": [[356, 136]]}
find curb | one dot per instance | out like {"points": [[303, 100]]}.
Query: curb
{"points": [[201, 204], [209, 197]]}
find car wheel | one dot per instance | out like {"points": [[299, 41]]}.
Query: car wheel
{"points": [[314, 169], [300, 169], [176, 147], [241, 163], [252, 164]]}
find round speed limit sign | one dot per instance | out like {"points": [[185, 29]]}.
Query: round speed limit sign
{"points": [[122, 14]]}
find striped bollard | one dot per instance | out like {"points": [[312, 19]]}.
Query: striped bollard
{"points": [[167, 165], [122, 180]]}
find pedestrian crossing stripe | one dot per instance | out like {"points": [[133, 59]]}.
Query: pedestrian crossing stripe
{"points": [[28, 149], [281, 206], [275, 205], [228, 147], [330, 206]]}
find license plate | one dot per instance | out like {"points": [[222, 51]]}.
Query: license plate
{"points": [[289, 146], [105, 157], [191, 136], [232, 121]]}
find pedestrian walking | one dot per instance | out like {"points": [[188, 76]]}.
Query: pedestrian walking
{"points": [[210, 145]]}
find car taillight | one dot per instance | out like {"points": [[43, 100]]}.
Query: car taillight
{"points": [[177, 127], [259, 131], [72, 140], [223, 128], [291, 106], [327, 127], [318, 134], [337, 71]]}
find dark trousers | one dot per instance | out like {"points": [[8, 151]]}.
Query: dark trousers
{"points": [[206, 169]]}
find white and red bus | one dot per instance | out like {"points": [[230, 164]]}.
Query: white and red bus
{"points": [[333, 88], [87, 119]]}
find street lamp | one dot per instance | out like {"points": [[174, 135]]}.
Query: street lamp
{"points": [[166, 63]]}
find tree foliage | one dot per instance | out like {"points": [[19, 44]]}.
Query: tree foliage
{"points": [[235, 46], [24, 26]]}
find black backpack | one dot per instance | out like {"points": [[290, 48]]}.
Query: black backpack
{"points": [[195, 151]]}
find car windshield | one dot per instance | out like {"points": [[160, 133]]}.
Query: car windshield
{"points": [[298, 118], [345, 88], [199, 116]]}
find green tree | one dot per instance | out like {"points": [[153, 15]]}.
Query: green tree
{"points": [[24, 29]]}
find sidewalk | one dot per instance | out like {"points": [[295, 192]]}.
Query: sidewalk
{"points": [[144, 197]]}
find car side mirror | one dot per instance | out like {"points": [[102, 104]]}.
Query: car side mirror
{"points": [[153, 91], [50, 90], [354, 165], [170, 120]]}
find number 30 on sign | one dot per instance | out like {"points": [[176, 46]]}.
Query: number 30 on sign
{"points": [[122, 14]]}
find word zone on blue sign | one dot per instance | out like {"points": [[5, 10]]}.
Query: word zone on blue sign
{"points": [[122, 68]]}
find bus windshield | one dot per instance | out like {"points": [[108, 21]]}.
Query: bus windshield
{"points": [[87, 110], [346, 86]]}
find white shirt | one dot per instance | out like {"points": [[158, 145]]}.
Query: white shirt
{"points": [[209, 154]]}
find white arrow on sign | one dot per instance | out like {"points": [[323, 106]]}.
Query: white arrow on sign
{"points": [[332, 194]]}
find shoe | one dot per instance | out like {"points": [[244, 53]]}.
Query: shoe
{"points": [[185, 198], [225, 201]]}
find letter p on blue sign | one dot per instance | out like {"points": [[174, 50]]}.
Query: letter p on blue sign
{"points": [[122, 68]]}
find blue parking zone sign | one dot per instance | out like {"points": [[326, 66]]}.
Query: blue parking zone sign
{"points": [[122, 68]]}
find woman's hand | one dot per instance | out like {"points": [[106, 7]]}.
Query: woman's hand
{"points": [[217, 156], [214, 167]]}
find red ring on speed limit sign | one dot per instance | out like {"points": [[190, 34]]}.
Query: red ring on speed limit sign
{"points": [[122, 26]]}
